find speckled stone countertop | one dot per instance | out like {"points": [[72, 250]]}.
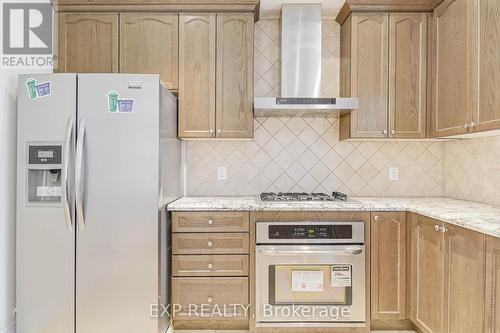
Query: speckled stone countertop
{"points": [[470, 215]]}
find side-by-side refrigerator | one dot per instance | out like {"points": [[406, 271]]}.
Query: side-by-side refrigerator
{"points": [[90, 244]]}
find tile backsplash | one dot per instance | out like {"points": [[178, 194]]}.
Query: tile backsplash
{"points": [[472, 170], [302, 154]]}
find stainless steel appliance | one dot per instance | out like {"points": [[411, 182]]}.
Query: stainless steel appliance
{"points": [[90, 243], [310, 274], [301, 69], [298, 197]]}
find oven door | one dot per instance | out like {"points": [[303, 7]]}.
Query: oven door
{"points": [[310, 284]]}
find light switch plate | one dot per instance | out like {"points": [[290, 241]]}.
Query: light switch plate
{"points": [[394, 174], [221, 173]]}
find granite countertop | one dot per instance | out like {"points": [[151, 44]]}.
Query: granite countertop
{"points": [[474, 216]]}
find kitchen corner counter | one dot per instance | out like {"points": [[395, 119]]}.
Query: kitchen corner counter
{"points": [[474, 216]]}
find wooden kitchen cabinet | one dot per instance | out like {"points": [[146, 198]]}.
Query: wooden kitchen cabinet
{"points": [[149, 45], [454, 47], [447, 270], [197, 75], [407, 75], [384, 64], [234, 93], [492, 303], [388, 265], [88, 43], [216, 75]]}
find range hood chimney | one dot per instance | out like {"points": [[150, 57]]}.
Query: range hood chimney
{"points": [[301, 69]]}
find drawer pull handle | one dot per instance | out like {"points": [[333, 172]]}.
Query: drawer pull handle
{"points": [[210, 221], [210, 299], [210, 244], [210, 266]]}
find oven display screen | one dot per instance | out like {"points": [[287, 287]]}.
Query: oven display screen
{"points": [[310, 231]]}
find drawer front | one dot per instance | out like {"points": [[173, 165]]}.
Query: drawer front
{"points": [[208, 265], [210, 221], [229, 243], [209, 292]]}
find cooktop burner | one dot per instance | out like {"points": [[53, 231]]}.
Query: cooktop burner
{"points": [[271, 196]]}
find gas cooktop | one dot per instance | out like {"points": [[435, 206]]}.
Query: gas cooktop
{"points": [[291, 197]]}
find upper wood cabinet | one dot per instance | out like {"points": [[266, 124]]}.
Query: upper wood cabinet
{"points": [[216, 75], [492, 306], [88, 42], [234, 99], [384, 63], [197, 75], [407, 75], [388, 265], [149, 44], [447, 270]]}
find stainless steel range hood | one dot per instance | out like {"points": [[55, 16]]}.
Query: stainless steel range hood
{"points": [[301, 69]]}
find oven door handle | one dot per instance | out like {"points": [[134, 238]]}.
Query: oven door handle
{"points": [[346, 251]]}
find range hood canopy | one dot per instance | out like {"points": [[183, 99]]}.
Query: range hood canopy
{"points": [[301, 69]]}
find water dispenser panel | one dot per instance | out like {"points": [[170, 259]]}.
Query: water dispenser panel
{"points": [[45, 154], [44, 172]]}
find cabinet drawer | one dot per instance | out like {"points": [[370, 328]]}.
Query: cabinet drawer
{"points": [[207, 265], [229, 243], [209, 292], [210, 222]]}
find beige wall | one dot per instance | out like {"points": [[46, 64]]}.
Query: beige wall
{"points": [[472, 170], [305, 154]]}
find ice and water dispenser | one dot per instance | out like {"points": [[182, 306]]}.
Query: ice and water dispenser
{"points": [[44, 174]]}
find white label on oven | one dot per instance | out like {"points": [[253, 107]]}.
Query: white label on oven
{"points": [[307, 280], [341, 276]]}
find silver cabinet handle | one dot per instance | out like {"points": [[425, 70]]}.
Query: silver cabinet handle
{"points": [[210, 244], [79, 190], [393, 132], [436, 228], [443, 229], [66, 187], [472, 124], [210, 299], [376, 218], [219, 131], [210, 266], [210, 221], [466, 125], [354, 250], [211, 131], [385, 132]]}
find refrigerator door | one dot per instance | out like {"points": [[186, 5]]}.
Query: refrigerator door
{"points": [[45, 210], [117, 238]]}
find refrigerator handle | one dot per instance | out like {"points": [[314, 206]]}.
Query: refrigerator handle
{"points": [[66, 191], [79, 191]]}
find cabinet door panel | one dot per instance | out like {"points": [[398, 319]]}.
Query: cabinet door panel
{"points": [[369, 74], [452, 68], [88, 43], [407, 75], [388, 265], [487, 115], [427, 274], [149, 44], [197, 75], [492, 305], [234, 102], [465, 280]]}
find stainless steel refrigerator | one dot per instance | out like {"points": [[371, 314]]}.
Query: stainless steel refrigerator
{"points": [[97, 153]]}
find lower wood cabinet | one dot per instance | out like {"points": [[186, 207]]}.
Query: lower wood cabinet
{"points": [[492, 304], [447, 270], [388, 265]]}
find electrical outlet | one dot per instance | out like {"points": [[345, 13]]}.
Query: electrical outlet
{"points": [[394, 174], [221, 173]]}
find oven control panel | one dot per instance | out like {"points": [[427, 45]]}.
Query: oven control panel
{"points": [[310, 231]]}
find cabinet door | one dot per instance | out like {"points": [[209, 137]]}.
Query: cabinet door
{"points": [[234, 102], [149, 45], [427, 274], [407, 75], [487, 115], [88, 43], [464, 280], [369, 74], [453, 48], [492, 305], [197, 75], [388, 265]]}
